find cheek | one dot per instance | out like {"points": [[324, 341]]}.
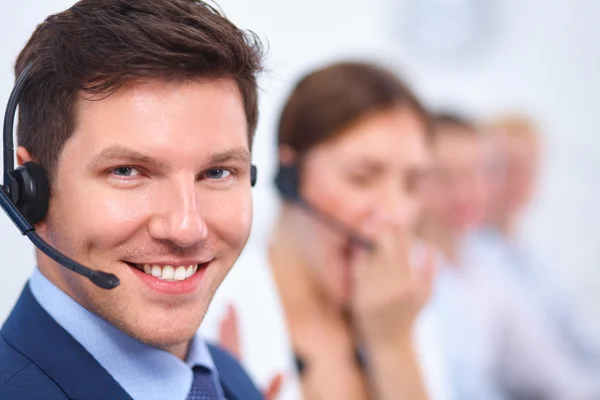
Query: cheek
{"points": [[521, 183], [102, 216], [228, 215], [339, 200], [323, 250], [415, 208]]}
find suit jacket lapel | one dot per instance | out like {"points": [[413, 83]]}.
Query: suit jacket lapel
{"points": [[34, 333]]}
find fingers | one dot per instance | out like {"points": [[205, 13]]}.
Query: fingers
{"points": [[274, 387], [392, 248], [229, 332], [361, 257]]}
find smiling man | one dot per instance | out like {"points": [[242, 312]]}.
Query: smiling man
{"points": [[142, 116]]}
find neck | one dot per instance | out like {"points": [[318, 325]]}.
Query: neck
{"points": [[179, 350], [446, 241]]}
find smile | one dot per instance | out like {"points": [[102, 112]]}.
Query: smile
{"points": [[169, 272]]}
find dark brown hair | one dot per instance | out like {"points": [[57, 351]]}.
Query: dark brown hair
{"points": [[462, 124], [328, 100], [97, 45]]}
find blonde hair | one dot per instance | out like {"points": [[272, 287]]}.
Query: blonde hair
{"points": [[513, 126]]}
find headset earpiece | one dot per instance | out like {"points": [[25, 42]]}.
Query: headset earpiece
{"points": [[287, 182], [32, 194], [253, 175]]}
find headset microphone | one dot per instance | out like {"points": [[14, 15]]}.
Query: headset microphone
{"points": [[287, 182], [101, 279], [25, 194]]}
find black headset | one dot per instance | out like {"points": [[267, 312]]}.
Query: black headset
{"points": [[287, 182], [25, 193]]}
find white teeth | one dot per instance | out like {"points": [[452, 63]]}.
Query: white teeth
{"points": [[168, 272], [189, 271], [179, 274]]}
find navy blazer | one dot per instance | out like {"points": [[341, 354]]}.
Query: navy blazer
{"points": [[39, 360]]}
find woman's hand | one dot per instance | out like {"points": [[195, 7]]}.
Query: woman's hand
{"points": [[388, 290], [388, 293]]}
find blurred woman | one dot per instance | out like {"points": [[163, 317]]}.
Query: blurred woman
{"points": [[352, 144], [355, 138]]}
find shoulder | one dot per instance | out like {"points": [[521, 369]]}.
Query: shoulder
{"points": [[20, 378], [231, 373], [227, 364]]}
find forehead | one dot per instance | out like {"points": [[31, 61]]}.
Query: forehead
{"points": [[182, 116], [395, 134], [458, 148]]}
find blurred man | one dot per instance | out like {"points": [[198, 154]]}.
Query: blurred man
{"points": [[514, 159], [496, 345], [513, 162]]}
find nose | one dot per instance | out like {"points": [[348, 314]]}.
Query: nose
{"points": [[178, 216], [395, 205]]}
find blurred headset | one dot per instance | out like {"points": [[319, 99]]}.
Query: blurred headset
{"points": [[25, 193], [287, 182]]}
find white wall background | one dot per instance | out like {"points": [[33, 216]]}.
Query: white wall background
{"points": [[539, 56]]}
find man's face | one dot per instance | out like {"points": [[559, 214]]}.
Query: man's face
{"points": [[512, 173], [520, 169], [155, 178], [457, 194]]}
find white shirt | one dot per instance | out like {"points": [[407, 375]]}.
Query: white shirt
{"points": [[545, 290], [495, 341]]}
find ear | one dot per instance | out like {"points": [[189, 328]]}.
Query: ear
{"points": [[23, 155], [287, 155]]}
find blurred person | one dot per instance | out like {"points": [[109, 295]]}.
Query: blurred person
{"points": [[496, 343], [513, 162], [353, 153], [136, 121], [514, 155]]}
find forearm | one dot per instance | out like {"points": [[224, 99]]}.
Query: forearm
{"points": [[394, 371]]}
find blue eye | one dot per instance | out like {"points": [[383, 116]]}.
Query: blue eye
{"points": [[125, 171], [217, 173]]}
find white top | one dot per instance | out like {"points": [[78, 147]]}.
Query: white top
{"points": [[495, 339]]}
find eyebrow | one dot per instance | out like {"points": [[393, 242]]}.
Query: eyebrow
{"points": [[365, 164], [240, 154], [123, 153]]}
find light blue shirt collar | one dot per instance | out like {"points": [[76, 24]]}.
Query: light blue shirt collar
{"points": [[144, 372]]}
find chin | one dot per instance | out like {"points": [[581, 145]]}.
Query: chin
{"points": [[165, 334], [168, 337]]}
